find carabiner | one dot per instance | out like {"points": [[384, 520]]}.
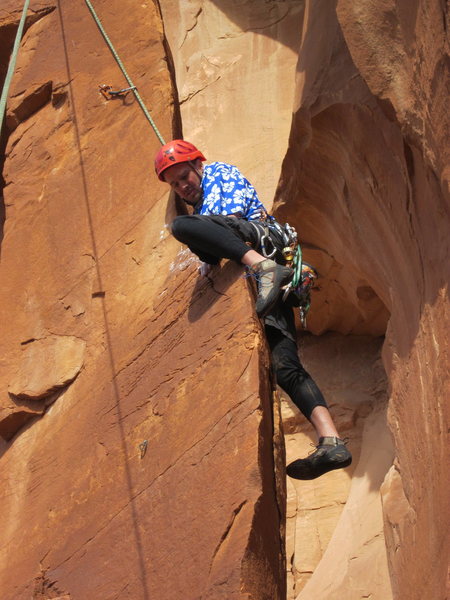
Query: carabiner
{"points": [[263, 246], [287, 291], [107, 91]]}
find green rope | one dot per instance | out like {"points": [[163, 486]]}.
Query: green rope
{"points": [[12, 62], [297, 264], [122, 68]]}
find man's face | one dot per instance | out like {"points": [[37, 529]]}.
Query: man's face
{"points": [[185, 181]]}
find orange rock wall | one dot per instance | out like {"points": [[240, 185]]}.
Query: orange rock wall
{"points": [[366, 181], [137, 458], [335, 542], [235, 71], [138, 454]]}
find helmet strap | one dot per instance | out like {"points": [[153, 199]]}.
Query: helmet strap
{"points": [[196, 169], [200, 176]]}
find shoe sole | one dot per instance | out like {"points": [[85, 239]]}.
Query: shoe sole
{"points": [[313, 473]]}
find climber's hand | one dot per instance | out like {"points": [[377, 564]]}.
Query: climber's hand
{"points": [[204, 269]]}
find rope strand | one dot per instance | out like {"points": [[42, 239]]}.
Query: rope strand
{"points": [[12, 62], [125, 74]]}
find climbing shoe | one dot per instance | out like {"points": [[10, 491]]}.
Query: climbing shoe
{"points": [[270, 277], [331, 453]]}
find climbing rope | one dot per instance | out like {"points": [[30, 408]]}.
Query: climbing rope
{"points": [[297, 265], [122, 68], [12, 62]]}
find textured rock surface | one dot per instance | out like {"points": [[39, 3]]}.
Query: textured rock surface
{"points": [[235, 68], [366, 180], [335, 523], [146, 468], [46, 366]]}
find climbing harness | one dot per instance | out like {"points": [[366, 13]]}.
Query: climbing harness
{"points": [[12, 62], [298, 290], [301, 285], [108, 93], [263, 238], [264, 227], [132, 87]]}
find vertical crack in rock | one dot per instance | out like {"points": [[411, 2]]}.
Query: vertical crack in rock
{"points": [[3, 141], [177, 126], [227, 531], [279, 479]]}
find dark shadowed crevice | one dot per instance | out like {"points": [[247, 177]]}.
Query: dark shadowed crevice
{"points": [[336, 161], [7, 35], [175, 206], [3, 141], [27, 412], [177, 126], [8, 32]]}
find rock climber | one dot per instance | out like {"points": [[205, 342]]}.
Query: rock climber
{"points": [[228, 221]]}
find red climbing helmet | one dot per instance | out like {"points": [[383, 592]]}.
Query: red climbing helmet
{"points": [[176, 151]]}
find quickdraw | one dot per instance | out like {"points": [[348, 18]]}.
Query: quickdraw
{"points": [[264, 239], [304, 274], [108, 93], [125, 74], [286, 233]]}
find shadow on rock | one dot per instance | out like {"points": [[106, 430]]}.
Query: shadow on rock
{"points": [[208, 290]]}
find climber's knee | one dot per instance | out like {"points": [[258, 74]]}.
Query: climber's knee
{"points": [[179, 227]]}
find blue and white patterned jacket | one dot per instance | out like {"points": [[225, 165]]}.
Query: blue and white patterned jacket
{"points": [[227, 192]]}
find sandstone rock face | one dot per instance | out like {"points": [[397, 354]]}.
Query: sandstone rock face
{"points": [[366, 181], [136, 406], [140, 458], [46, 366], [45, 369], [335, 541], [245, 51]]}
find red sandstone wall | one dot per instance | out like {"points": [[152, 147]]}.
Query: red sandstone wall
{"points": [[366, 181], [109, 341]]}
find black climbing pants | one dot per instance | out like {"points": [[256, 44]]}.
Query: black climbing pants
{"points": [[290, 374], [214, 237]]}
